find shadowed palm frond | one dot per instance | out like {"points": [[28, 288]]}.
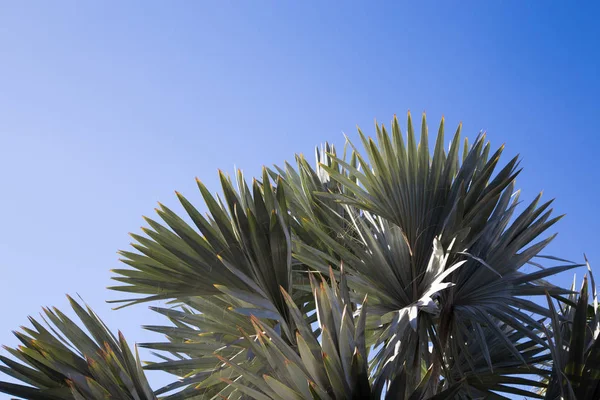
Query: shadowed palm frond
{"points": [[575, 346], [64, 362]]}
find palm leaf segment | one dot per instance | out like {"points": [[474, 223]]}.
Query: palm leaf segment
{"points": [[63, 362]]}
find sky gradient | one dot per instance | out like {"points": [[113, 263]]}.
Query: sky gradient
{"points": [[108, 107]]}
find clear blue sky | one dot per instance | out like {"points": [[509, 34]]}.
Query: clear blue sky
{"points": [[108, 107]]}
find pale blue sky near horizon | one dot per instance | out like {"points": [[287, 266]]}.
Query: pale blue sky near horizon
{"points": [[108, 107]]}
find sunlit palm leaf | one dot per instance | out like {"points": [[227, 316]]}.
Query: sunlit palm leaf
{"points": [[397, 200]]}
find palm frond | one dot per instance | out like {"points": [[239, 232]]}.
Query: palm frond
{"points": [[245, 246], [397, 201], [62, 361], [575, 346]]}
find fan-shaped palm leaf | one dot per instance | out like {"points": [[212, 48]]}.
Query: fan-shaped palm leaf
{"points": [[575, 346], [64, 362]]}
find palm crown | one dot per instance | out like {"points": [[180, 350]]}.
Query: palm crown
{"points": [[394, 272]]}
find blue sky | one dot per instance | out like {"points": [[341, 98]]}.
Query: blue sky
{"points": [[108, 107]]}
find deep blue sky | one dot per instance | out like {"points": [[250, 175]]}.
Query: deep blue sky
{"points": [[108, 107]]}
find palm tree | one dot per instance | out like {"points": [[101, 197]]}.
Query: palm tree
{"points": [[393, 272]]}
